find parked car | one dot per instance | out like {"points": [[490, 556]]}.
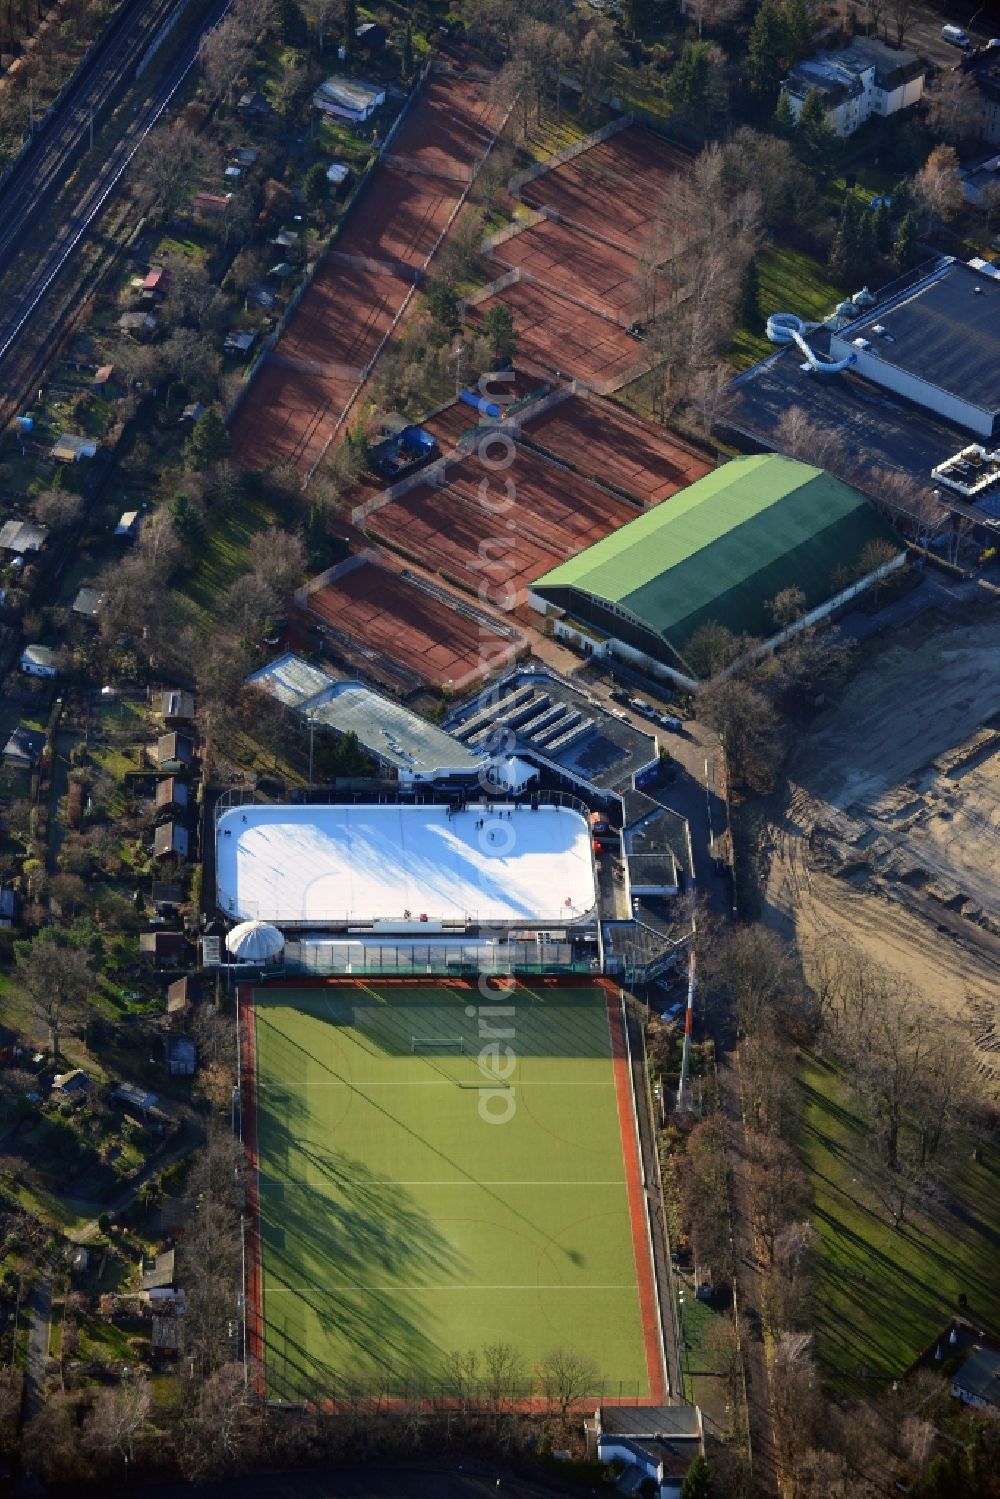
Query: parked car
{"points": [[956, 37]]}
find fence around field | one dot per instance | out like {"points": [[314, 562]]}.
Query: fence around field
{"points": [[568, 153]]}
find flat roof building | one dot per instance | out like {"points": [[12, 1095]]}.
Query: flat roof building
{"points": [[402, 742], [937, 344]]}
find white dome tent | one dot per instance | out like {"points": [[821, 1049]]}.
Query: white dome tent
{"points": [[255, 942]]}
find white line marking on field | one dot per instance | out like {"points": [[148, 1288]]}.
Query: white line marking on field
{"points": [[393, 1290], [358, 1181]]}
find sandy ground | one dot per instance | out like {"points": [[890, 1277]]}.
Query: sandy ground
{"points": [[888, 836]]}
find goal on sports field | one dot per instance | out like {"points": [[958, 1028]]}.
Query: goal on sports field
{"points": [[438, 1043]]}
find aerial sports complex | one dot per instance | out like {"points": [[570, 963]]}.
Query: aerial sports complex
{"points": [[436, 1099]]}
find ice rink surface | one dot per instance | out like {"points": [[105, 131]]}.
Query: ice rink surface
{"points": [[400, 863]]}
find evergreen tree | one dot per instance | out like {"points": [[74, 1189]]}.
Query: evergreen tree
{"points": [[407, 56], [906, 248], [799, 30], [767, 49], [209, 441], [697, 1480], [291, 24], [316, 185], [498, 327], [815, 135], [635, 15], [443, 306], [750, 315], [687, 87], [187, 521], [882, 227], [350, 29], [784, 117], [867, 248]]}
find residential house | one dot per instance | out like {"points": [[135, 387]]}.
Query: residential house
{"points": [[865, 79], [170, 841], [171, 795], [176, 706], [8, 906], [254, 104], [88, 602], [181, 994], [163, 949], [338, 174], [135, 1101], [138, 324], [657, 1442], [166, 896], [192, 411], [24, 748], [182, 1056], [70, 447], [22, 537], [166, 1335], [160, 1274], [103, 377], [211, 205], [349, 98], [371, 36], [174, 750], [978, 1380], [156, 281], [128, 526], [238, 343], [983, 66], [38, 661], [71, 1086]]}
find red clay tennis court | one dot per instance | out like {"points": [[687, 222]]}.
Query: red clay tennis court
{"points": [[385, 612], [599, 438], [575, 264], [567, 338], [286, 416], [399, 217], [620, 188], [454, 530], [291, 413], [450, 126]]}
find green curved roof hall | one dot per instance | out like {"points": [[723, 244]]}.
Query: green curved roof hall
{"points": [[722, 548]]}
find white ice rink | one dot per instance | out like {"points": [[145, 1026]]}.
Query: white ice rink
{"points": [[391, 863]]}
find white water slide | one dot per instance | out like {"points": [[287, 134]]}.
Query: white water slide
{"points": [[786, 328]]}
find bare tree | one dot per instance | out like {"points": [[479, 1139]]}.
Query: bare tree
{"points": [[170, 159], [565, 1377], [116, 1419], [57, 977], [954, 106], [221, 1425], [758, 973], [58, 507], [778, 1188], [503, 1375], [225, 54], [747, 723]]}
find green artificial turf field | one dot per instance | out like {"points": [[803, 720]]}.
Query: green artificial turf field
{"points": [[399, 1225]]}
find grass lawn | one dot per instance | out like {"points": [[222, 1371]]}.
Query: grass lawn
{"points": [[227, 550], [883, 1293], [550, 136], [790, 281], [399, 1224]]}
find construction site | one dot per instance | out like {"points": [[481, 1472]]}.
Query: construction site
{"points": [[886, 839]]}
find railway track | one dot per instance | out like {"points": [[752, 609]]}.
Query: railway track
{"points": [[64, 132], [43, 271]]}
